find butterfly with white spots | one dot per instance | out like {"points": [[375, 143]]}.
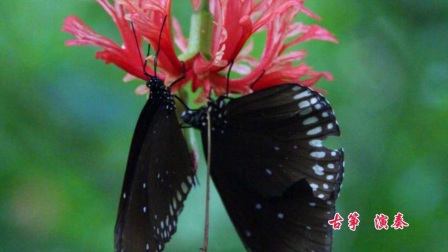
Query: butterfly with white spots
{"points": [[277, 181]]}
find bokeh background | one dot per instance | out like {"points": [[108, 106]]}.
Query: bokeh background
{"points": [[66, 122]]}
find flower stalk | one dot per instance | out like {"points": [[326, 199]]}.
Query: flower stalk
{"points": [[201, 29]]}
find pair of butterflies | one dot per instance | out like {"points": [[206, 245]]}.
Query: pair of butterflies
{"points": [[277, 181]]}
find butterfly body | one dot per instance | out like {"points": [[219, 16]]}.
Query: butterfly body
{"points": [[276, 179]]}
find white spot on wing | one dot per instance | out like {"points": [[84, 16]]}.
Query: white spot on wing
{"points": [[314, 186], [314, 131], [306, 111], [319, 170], [296, 88], [316, 143], [174, 203], [304, 104], [318, 154], [184, 187], [301, 95], [310, 120]]}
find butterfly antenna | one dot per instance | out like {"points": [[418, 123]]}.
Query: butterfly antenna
{"points": [[259, 77], [139, 51], [228, 78], [148, 52], [158, 46], [182, 77], [182, 102]]}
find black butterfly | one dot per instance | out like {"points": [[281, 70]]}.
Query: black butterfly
{"points": [[276, 179], [159, 175]]}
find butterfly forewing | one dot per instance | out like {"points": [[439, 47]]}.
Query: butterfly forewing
{"points": [[159, 170], [279, 131]]}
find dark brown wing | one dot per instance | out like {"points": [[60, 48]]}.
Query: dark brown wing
{"points": [[278, 132], [276, 179], [158, 178]]}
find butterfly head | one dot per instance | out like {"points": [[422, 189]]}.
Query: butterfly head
{"points": [[196, 118], [159, 92]]}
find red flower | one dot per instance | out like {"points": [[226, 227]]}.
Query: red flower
{"points": [[234, 22]]}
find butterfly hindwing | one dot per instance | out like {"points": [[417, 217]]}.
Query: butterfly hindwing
{"points": [[294, 221], [168, 187]]}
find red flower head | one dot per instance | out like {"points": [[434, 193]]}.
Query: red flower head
{"points": [[207, 58]]}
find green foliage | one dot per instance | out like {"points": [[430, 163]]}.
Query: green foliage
{"points": [[66, 121]]}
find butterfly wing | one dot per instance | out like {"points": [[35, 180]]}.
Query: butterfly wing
{"points": [[279, 131], [267, 151], [158, 177], [294, 221]]}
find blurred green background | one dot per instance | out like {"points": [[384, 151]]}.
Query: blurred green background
{"points": [[66, 121]]}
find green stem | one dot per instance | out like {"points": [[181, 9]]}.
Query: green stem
{"points": [[201, 29], [204, 5]]}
